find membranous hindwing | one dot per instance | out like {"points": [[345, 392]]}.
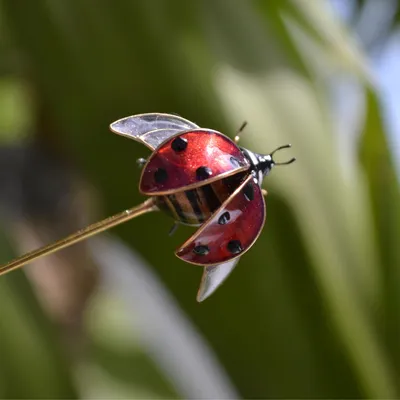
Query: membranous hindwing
{"points": [[231, 230], [213, 277], [189, 160], [151, 129]]}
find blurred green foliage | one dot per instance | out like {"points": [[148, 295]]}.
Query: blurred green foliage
{"points": [[32, 362], [313, 309]]}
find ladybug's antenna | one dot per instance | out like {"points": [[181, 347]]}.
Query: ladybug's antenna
{"points": [[286, 146], [240, 130]]}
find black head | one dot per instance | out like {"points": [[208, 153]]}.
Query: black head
{"points": [[263, 163]]}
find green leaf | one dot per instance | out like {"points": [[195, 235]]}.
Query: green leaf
{"points": [[384, 191], [317, 20]]}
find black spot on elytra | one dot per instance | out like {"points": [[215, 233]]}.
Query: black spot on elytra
{"points": [[248, 192], [203, 173], [160, 175], [224, 218], [201, 250], [234, 247], [179, 144]]}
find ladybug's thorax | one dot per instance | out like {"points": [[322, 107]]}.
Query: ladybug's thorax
{"points": [[260, 164]]}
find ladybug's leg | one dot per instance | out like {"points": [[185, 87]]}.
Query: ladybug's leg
{"points": [[264, 192], [173, 228], [240, 130], [141, 161]]}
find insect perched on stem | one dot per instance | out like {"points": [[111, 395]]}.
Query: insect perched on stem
{"points": [[201, 178]]}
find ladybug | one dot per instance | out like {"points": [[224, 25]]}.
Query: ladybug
{"points": [[202, 178]]}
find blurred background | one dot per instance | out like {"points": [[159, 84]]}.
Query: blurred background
{"points": [[312, 311]]}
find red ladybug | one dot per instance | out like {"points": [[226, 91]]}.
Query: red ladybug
{"points": [[202, 178]]}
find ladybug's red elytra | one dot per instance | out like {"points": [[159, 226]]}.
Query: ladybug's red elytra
{"points": [[201, 178]]}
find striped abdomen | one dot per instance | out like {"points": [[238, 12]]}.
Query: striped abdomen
{"points": [[193, 207]]}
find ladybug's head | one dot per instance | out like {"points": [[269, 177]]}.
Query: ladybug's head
{"points": [[262, 164]]}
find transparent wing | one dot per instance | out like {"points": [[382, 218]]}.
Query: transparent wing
{"points": [[212, 278], [151, 129]]}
